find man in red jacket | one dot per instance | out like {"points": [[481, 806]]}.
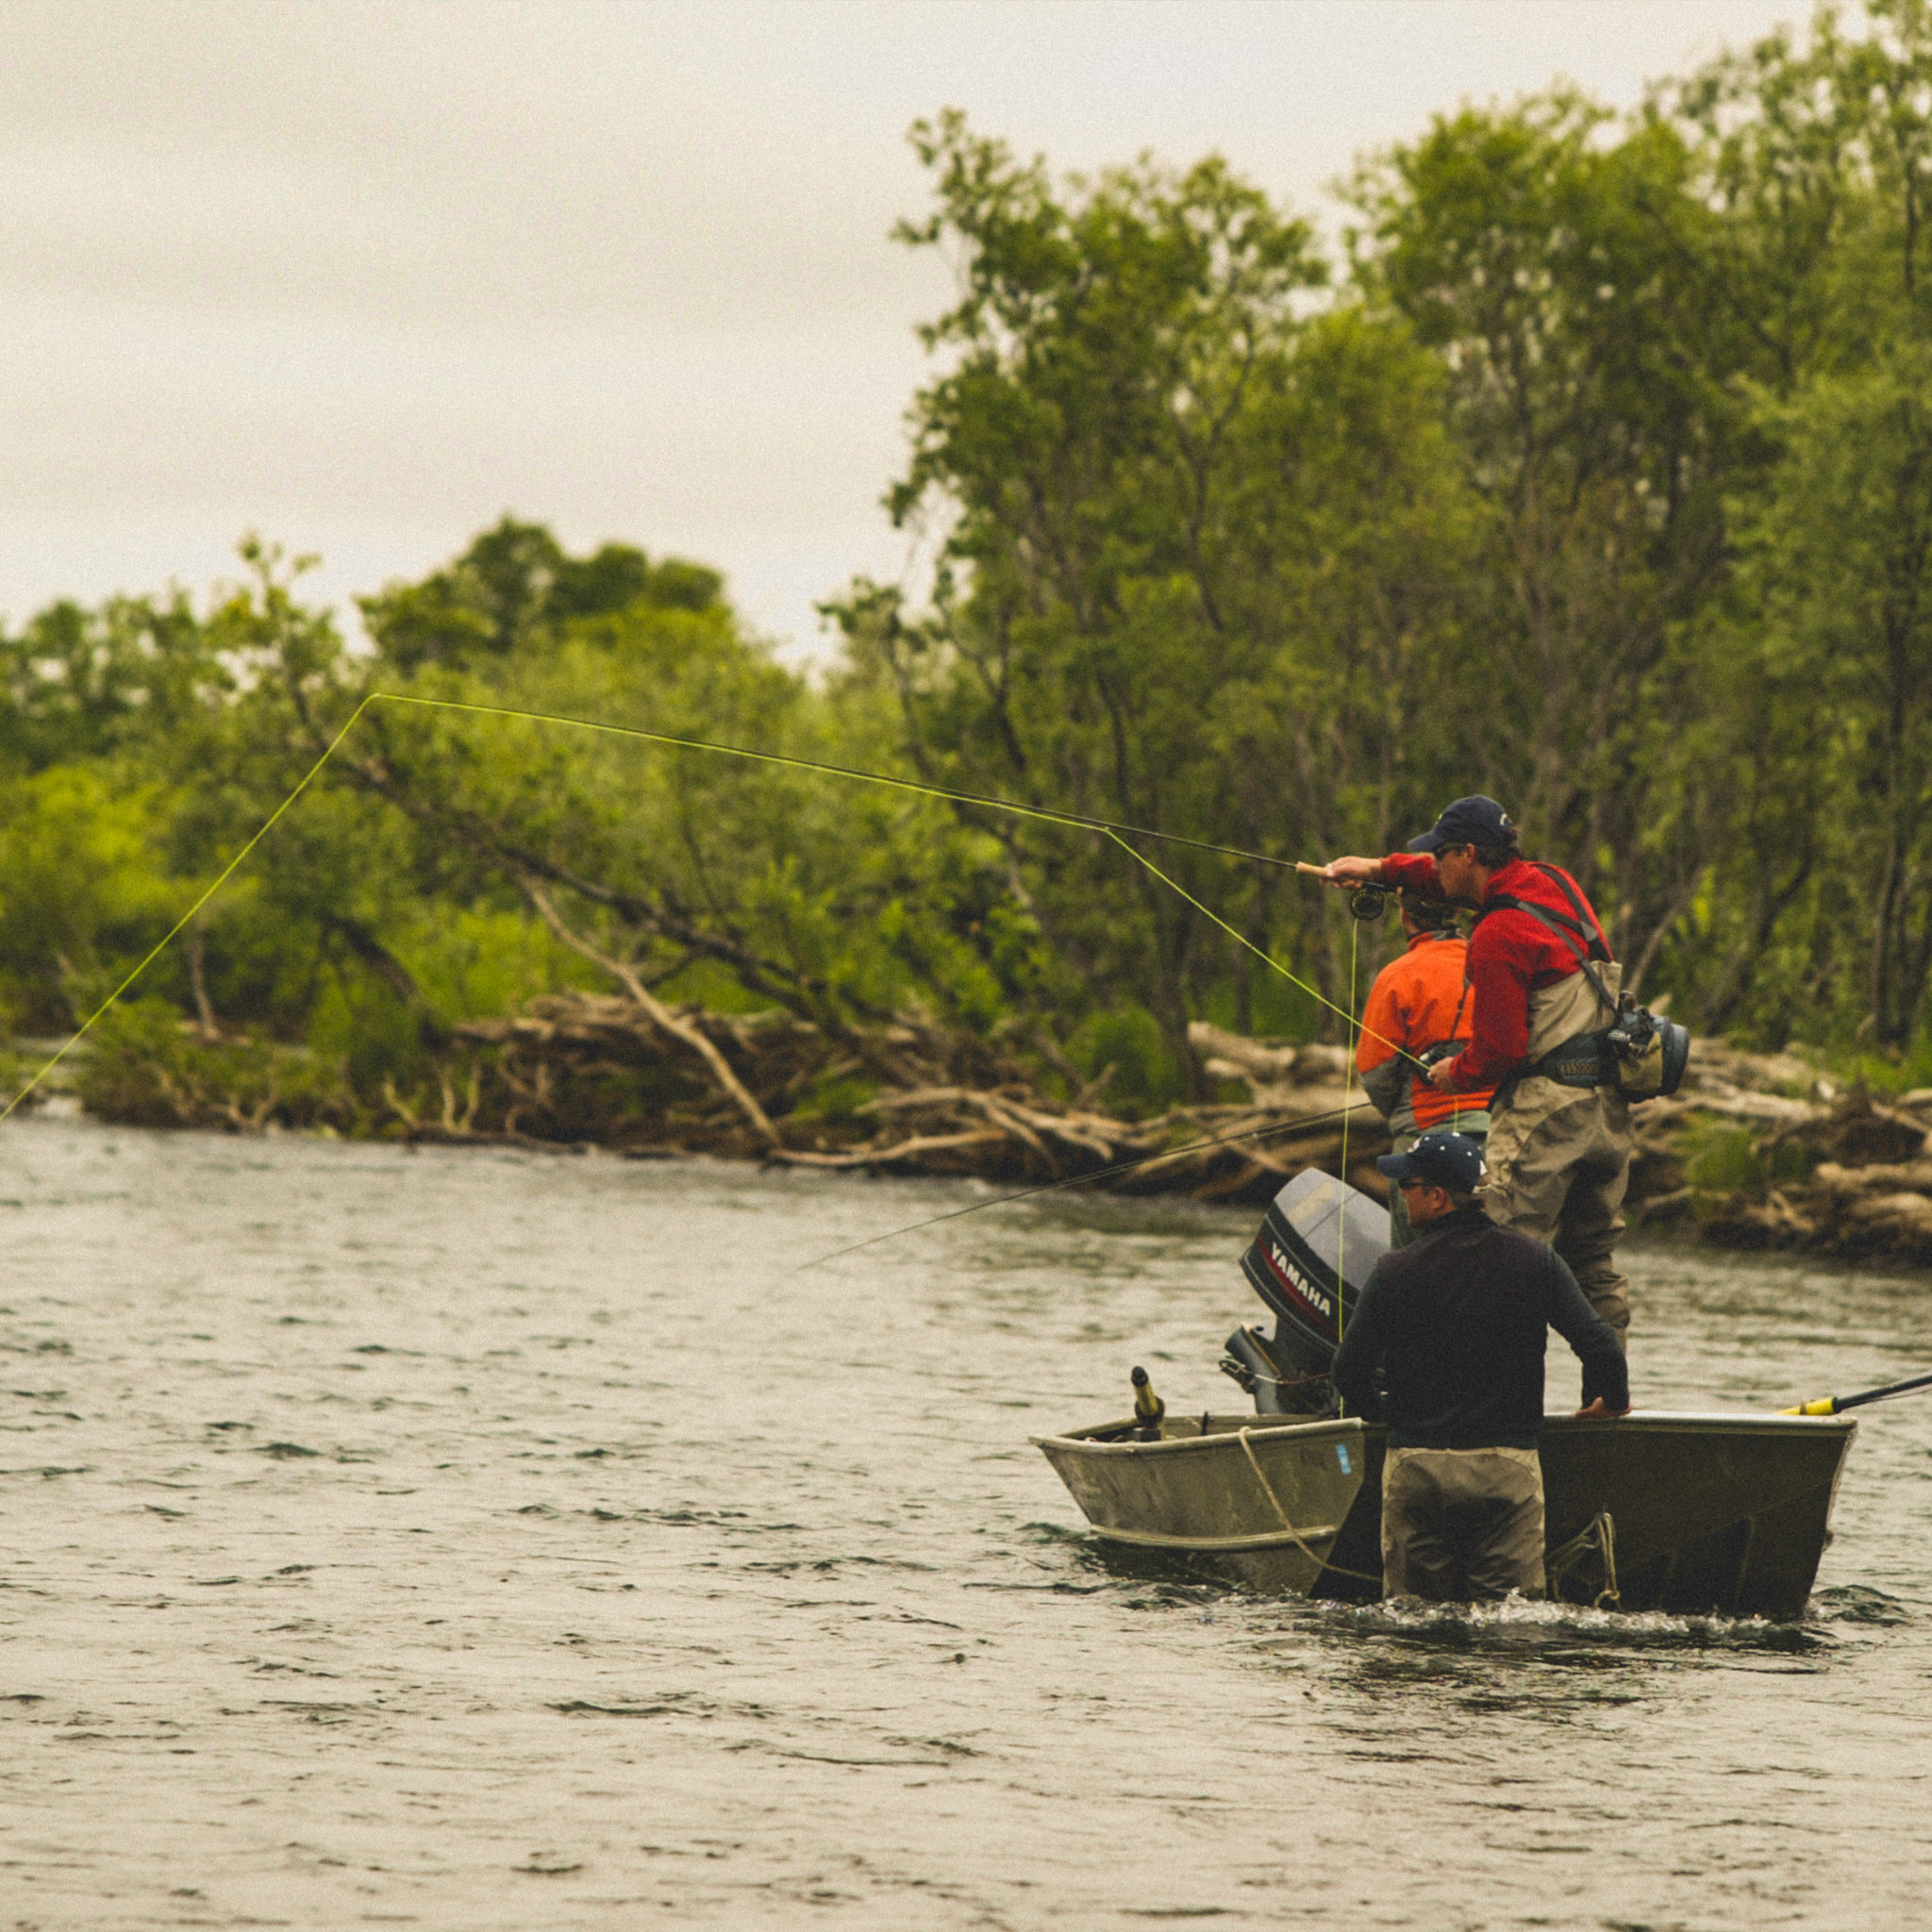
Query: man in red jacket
{"points": [[1543, 989]]}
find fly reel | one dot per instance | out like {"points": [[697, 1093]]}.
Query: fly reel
{"points": [[1368, 903]]}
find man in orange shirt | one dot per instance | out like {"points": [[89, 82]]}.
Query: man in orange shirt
{"points": [[1417, 1000]]}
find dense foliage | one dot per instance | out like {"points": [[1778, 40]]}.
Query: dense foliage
{"points": [[1595, 472]]}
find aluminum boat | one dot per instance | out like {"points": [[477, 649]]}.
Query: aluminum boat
{"points": [[1724, 1513], [1693, 1513]]}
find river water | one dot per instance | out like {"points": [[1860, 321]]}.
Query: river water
{"points": [[475, 1540]]}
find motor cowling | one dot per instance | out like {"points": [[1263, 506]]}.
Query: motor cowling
{"points": [[1319, 1242]]}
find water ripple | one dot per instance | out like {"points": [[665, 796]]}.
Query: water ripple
{"points": [[481, 1540]]}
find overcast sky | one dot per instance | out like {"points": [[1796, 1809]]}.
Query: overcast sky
{"points": [[364, 277]]}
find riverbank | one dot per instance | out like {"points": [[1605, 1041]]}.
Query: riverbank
{"points": [[1766, 1151], [1757, 1151], [651, 1081]]}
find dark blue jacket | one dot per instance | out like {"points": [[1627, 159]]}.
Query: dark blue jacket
{"points": [[1456, 1324]]}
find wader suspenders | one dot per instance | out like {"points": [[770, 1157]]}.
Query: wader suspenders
{"points": [[1578, 1061], [1421, 1054], [1455, 1032]]}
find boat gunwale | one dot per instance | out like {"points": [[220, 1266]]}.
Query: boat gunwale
{"points": [[1223, 1438], [1260, 1539], [1647, 1421]]}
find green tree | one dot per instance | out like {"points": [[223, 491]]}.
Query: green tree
{"points": [[1549, 258], [516, 583], [1192, 544], [76, 684], [1816, 157]]}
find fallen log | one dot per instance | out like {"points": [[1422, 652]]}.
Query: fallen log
{"points": [[919, 1147]]}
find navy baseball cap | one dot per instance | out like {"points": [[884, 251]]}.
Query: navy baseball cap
{"points": [[1476, 821], [1437, 1160]]}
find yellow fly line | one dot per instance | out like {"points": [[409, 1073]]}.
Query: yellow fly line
{"points": [[1347, 1088], [173, 932], [1076, 821]]}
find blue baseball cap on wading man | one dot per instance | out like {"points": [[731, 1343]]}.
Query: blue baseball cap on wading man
{"points": [[1473, 821], [1452, 1161]]}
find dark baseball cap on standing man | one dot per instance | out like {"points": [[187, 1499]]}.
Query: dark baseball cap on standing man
{"points": [[1439, 1161], [1476, 821]]}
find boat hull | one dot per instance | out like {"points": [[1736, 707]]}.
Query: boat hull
{"points": [[1708, 1513]]}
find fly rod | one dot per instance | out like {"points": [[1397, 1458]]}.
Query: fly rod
{"points": [[1054, 815], [1832, 1405]]}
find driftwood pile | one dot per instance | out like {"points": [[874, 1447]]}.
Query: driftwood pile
{"points": [[1757, 1151], [904, 1099], [1766, 1152]]}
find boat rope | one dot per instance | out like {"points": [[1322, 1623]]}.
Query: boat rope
{"points": [[1320, 1563], [1598, 1533], [1077, 820], [1098, 1174]]}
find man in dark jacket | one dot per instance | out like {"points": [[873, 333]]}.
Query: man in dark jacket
{"points": [[1446, 1346]]}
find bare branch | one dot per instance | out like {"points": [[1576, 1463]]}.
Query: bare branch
{"points": [[659, 1014]]}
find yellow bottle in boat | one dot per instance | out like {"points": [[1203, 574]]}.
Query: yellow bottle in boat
{"points": [[1148, 1408]]}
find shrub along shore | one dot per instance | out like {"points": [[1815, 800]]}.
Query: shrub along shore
{"points": [[1757, 1151]]}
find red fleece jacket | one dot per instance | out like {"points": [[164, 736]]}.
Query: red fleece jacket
{"points": [[1510, 956]]}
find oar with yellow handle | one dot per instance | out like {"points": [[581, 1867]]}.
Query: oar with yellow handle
{"points": [[1831, 1405]]}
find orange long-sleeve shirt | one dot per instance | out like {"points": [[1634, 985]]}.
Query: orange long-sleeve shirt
{"points": [[1417, 1001]]}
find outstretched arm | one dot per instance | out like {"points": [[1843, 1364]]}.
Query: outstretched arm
{"points": [[1605, 1374], [1349, 872], [1414, 872]]}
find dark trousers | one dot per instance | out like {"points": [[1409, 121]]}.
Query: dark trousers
{"points": [[1560, 1161], [1462, 1526]]}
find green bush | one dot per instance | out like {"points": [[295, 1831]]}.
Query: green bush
{"points": [[1144, 1074], [837, 1099], [1722, 1158], [147, 1068]]}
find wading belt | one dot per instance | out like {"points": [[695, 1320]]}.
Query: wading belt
{"points": [[1578, 1062]]}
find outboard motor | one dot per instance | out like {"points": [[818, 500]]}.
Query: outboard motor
{"points": [[1314, 1251]]}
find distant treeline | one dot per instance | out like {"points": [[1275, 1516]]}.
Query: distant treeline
{"points": [[1594, 473]]}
